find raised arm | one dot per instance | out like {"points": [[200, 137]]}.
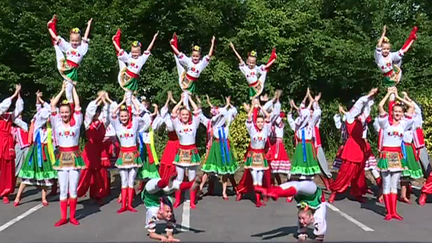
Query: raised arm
{"points": [[76, 99], [212, 47], [193, 104], [411, 107], [57, 98], [152, 42], [208, 101], [87, 32], [381, 39], [174, 111], [240, 59], [382, 112]]}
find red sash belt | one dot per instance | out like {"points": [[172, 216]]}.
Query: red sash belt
{"points": [[253, 84], [128, 149], [389, 73], [191, 78], [131, 74], [257, 150], [72, 64], [69, 149], [187, 147]]}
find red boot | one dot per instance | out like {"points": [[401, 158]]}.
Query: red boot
{"points": [[174, 41], [177, 194], [332, 197], [116, 39], [63, 213], [422, 199], [73, 203], [192, 195], [131, 194], [388, 205], [52, 25], [258, 200], [124, 192], [411, 37], [326, 182], [277, 192], [5, 200], [394, 206]]}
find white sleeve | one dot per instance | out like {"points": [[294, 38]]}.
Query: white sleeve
{"points": [[249, 125], [124, 56], [19, 107], [204, 120], [291, 121], [144, 57], [383, 122], [183, 59], [337, 120], [63, 44], [377, 54], [316, 115], [83, 47], [41, 118], [205, 62], [356, 109], [242, 68], [90, 113], [396, 56], [407, 123], [78, 116], [157, 122], [144, 122], [232, 114], [196, 120], [22, 124], [268, 105], [376, 125]]}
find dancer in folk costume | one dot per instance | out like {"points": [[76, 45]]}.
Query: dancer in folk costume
{"points": [[340, 124], [352, 171], [149, 169], [75, 51], [311, 204], [390, 62], [305, 162], [414, 170], [129, 160], [7, 152], [131, 64], [37, 169], [276, 154], [186, 125], [255, 75], [67, 123], [255, 159], [392, 162], [22, 144], [166, 167], [220, 159], [94, 177], [159, 205], [189, 69]]}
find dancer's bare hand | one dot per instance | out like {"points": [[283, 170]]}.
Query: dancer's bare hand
{"points": [[302, 237], [172, 239]]}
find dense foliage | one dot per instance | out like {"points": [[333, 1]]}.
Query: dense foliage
{"points": [[323, 44]]}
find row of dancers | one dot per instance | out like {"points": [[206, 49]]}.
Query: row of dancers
{"points": [[125, 131]]}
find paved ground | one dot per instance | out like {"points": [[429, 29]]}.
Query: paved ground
{"points": [[214, 220]]}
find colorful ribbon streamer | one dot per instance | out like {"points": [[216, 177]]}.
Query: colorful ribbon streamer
{"points": [[404, 150], [50, 143], [221, 143], [304, 145], [152, 146], [225, 141], [142, 147]]}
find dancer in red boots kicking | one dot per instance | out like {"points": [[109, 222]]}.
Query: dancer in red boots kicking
{"points": [[354, 153], [311, 204], [67, 123], [392, 162], [186, 126], [7, 152]]}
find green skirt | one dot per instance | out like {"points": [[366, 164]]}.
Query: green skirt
{"points": [[69, 73], [147, 171], [219, 164], [187, 157], [414, 170], [255, 159], [69, 159], [391, 161], [131, 84], [308, 166], [128, 159], [31, 170]]}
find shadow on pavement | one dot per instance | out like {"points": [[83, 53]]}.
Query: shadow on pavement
{"points": [[279, 232]]}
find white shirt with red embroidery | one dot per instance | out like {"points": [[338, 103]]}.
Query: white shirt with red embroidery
{"points": [[134, 65], [73, 54], [193, 69], [126, 136], [385, 64], [393, 134], [252, 75], [258, 138], [186, 132], [67, 136]]}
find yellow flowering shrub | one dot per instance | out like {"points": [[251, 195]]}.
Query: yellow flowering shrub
{"points": [[425, 104], [239, 136]]}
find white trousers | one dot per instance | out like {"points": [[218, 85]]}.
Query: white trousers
{"points": [[128, 177], [257, 176], [390, 181], [68, 182], [192, 171]]}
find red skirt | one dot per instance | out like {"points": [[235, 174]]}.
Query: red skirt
{"points": [[245, 184], [170, 152], [278, 158]]}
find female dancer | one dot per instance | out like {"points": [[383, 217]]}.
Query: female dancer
{"points": [[220, 159], [7, 155], [37, 169], [414, 170], [391, 162], [94, 177], [340, 125], [187, 157], [22, 144], [390, 62], [190, 68], [311, 204], [69, 160], [75, 50], [305, 162], [166, 168], [354, 152], [131, 64], [129, 159], [255, 75]]}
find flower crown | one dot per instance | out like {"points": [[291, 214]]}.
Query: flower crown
{"points": [[304, 206], [65, 102], [386, 40], [196, 48], [136, 44], [75, 31], [123, 108], [252, 54]]}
